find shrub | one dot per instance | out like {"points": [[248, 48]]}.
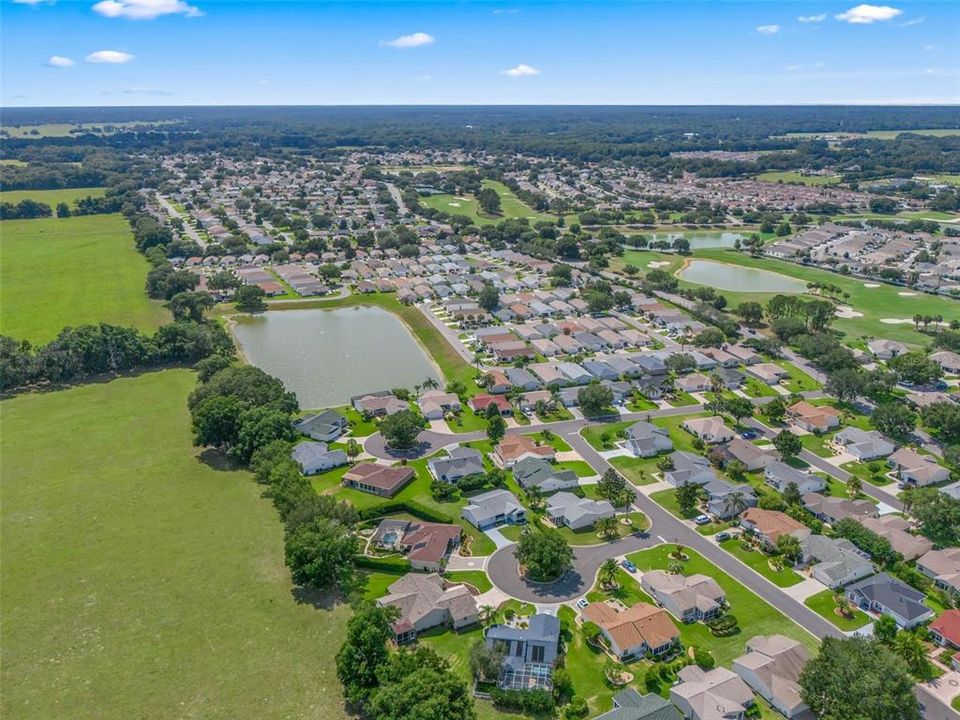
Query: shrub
{"points": [[416, 509], [577, 708], [703, 658], [723, 626]]}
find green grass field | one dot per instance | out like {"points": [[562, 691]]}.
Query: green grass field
{"points": [[823, 604], [511, 206], [140, 582], [795, 177], [51, 197], [759, 562], [55, 273]]}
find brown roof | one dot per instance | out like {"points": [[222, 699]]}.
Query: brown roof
{"points": [[379, 476], [816, 415], [513, 447], [642, 623], [429, 541], [771, 523]]}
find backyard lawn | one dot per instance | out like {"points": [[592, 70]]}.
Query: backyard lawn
{"points": [[755, 615], [639, 471], [64, 272], [760, 563], [138, 580], [823, 604]]}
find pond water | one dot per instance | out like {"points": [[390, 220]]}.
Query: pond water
{"points": [[738, 278], [328, 356], [699, 240]]}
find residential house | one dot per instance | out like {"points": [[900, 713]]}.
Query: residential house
{"points": [[528, 401], [459, 463], [769, 525], [600, 370], [378, 404], [497, 382], [895, 530], [835, 562], [645, 439], [945, 630], [717, 694], [731, 379], [888, 596], [529, 652], [426, 601], [651, 387], [576, 374], [566, 509], [326, 426], [752, 457], [549, 374], [480, 403], [537, 472], [886, 349], [711, 430], [494, 508], [778, 475], [689, 468], [745, 355], [694, 382], [375, 479], [435, 404], [771, 667], [769, 373], [426, 545], [725, 500], [630, 705], [917, 470], [315, 457], [834, 509], [948, 361], [943, 567], [864, 445], [522, 378], [517, 447], [813, 418], [688, 598], [635, 632]]}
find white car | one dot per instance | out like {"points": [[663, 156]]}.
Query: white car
{"points": [[582, 603], [701, 520]]}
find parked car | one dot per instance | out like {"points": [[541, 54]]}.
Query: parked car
{"points": [[749, 434], [582, 603], [721, 536], [628, 566], [701, 520]]}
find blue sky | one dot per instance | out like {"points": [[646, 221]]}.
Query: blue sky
{"points": [[203, 52]]}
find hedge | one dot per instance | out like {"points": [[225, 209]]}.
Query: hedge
{"points": [[409, 506], [388, 564]]}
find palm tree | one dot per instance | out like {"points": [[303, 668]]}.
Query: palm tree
{"points": [[534, 496], [429, 384], [735, 503], [606, 526], [608, 571], [675, 568], [843, 604], [908, 646], [487, 613], [854, 485], [716, 384]]}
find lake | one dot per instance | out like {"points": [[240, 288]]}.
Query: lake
{"points": [[738, 278], [699, 240], [328, 356]]}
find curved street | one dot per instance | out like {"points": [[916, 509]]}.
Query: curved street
{"points": [[503, 570]]}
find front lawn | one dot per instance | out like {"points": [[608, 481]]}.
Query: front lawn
{"points": [[755, 389], [823, 604], [683, 399], [477, 578], [817, 444], [755, 615], [798, 381], [760, 563], [467, 421], [668, 500], [639, 471], [580, 467], [628, 591], [873, 472]]}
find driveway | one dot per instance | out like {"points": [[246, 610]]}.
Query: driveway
{"points": [[498, 539], [503, 570]]}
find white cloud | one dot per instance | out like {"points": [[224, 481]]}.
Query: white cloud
{"points": [[809, 66], [144, 9], [33, 2], [768, 29], [404, 42], [931, 48], [59, 61], [867, 14], [110, 57], [520, 70], [915, 21], [510, 11], [812, 18]]}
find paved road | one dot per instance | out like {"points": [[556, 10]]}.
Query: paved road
{"points": [[672, 530], [397, 198], [504, 573], [187, 227]]}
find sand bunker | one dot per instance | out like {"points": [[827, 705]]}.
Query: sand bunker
{"points": [[843, 311], [454, 204], [871, 285], [657, 264], [896, 321], [906, 294]]}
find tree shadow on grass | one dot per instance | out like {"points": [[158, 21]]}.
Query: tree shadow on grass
{"points": [[318, 599], [217, 460]]}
